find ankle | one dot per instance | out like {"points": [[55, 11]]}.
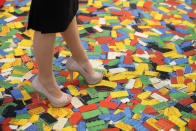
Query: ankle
{"points": [[44, 79]]}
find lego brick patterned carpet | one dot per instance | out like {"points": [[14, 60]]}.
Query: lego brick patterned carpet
{"points": [[146, 50]]}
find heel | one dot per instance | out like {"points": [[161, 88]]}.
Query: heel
{"points": [[71, 75]]}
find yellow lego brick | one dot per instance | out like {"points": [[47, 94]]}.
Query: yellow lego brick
{"points": [[5, 29], [69, 128], [118, 110], [18, 25], [47, 127], [36, 110], [18, 61], [137, 116], [18, 51], [120, 45], [111, 17], [18, 81], [151, 122], [180, 79], [118, 2], [6, 65], [163, 9], [57, 112], [105, 83], [151, 73], [177, 121], [11, 9], [11, 55], [191, 87], [158, 16], [11, 25], [164, 68], [172, 111], [140, 3], [70, 113], [131, 35], [83, 92], [177, 67], [193, 105], [138, 83], [126, 3], [18, 72], [181, 11], [178, 85], [191, 76], [144, 95], [173, 55], [19, 122], [24, 8], [164, 91], [116, 27], [117, 94], [150, 102], [113, 33], [26, 96], [90, 2], [177, 16], [190, 60], [2, 89], [34, 118], [127, 41], [151, 33], [25, 43], [126, 22], [123, 126], [30, 65], [64, 52], [73, 90], [144, 27]]}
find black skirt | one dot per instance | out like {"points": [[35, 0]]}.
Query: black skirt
{"points": [[51, 16]]}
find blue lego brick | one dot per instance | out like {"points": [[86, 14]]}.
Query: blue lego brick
{"points": [[24, 110], [2, 22], [118, 87], [116, 101], [105, 117], [167, 60], [186, 44], [122, 58], [16, 93], [174, 90], [181, 61], [120, 38], [173, 74], [160, 11], [105, 47], [32, 128], [85, 44], [138, 45], [163, 22], [2, 118], [3, 53], [63, 67], [167, 35], [108, 4], [126, 66], [122, 32], [162, 30], [78, 88], [179, 50], [134, 12], [128, 112], [114, 24], [188, 70], [185, 17], [55, 73], [146, 15], [147, 115], [81, 126], [117, 117], [149, 88], [2, 78], [113, 9], [183, 31], [16, 40], [148, 40], [75, 109]]}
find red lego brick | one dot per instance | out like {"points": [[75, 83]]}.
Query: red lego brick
{"points": [[150, 110], [25, 58], [134, 101], [19, 36], [63, 73], [156, 91], [128, 60], [104, 40], [186, 81], [7, 100], [191, 124], [173, 80], [159, 55], [5, 121], [190, 53], [110, 105], [150, 128], [148, 4], [88, 107], [5, 127], [110, 129], [139, 51], [134, 41], [165, 124], [130, 52], [121, 81], [123, 105], [75, 118], [186, 101], [136, 91], [180, 72]]}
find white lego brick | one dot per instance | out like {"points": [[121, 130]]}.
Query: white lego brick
{"points": [[159, 98], [98, 28], [28, 124], [13, 127], [1, 96], [172, 63], [141, 35], [125, 100], [156, 31], [146, 56], [5, 74], [76, 102], [10, 78], [165, 4], [7, 60], [117, 70], [172, 129], [113, 55], [28, 75], [128, 27], [130, 84], [142, 43], [102, 21], [176, 37], [155, 80], [11, 18], [8, 49], [7, 70], [60, 124], [162, 84]]}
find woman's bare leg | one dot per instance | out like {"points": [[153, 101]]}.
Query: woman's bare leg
{"points": [[43, 47], [72, 38]]}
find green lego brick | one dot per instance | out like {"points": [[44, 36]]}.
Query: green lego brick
{"points": [[28, 88], [39, 124], [95, 123], [160, 106], [17, 75], [104, 110], [92, 92], [91, 114], [145, 80], [103, 94], [178, 95], [5, 84], [56, 67], [95, 100], [23, 116], [21, 68], [113, 62], [61, 79], [139, 108]]}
